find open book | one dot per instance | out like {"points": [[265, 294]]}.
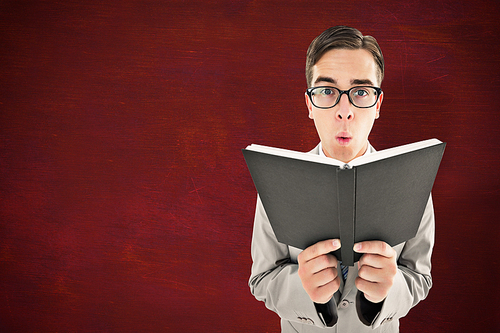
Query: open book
{"points": [[378, 196]]}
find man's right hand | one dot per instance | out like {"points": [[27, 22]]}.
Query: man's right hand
{"points": [[318, 270]]}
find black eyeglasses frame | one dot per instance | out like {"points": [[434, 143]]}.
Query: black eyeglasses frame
{"points": [[341, 92]]}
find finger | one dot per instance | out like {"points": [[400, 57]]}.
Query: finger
{"points": [[371, 274], [375, 247], [318, 264], [325, 292], [319, 249], [374, 260], [373, 291], [325, 276]]}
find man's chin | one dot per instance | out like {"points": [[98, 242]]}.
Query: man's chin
{"points": [[343, 154], [347, 152]]}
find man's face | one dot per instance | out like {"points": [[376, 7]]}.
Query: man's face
{"points": [[344, 129]]}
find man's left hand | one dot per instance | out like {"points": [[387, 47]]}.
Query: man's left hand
{"points": [[377, 269]]}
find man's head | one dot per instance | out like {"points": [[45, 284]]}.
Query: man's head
{"points": [[342, 37], [337, 62]]}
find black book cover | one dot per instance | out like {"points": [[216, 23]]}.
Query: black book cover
{"points": [[307, 201]]}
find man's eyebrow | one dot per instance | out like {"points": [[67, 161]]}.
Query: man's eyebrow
{"points": [[325, 79], [362, 82], [354, 82]]}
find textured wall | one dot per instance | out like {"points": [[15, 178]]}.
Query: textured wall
{"points": [[125, 203]]}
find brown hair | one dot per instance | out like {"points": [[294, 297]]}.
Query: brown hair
{"points": [[342, 37]]}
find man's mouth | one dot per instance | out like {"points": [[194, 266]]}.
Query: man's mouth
{"points": [[343, 139]]}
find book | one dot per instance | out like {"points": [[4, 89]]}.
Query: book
{"points": [[379, 196]]}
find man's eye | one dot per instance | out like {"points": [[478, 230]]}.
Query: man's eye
{"points": [[360, 93], [326, 92]]}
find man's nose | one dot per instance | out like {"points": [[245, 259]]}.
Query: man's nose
{"points": [[344, 112]]}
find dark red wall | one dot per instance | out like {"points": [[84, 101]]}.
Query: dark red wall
{"points": [[125, 202]]}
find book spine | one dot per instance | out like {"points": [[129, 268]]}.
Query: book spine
{"points": [[346, 194]]}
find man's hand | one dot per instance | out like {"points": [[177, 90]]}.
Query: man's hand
{"points": [[377, 269], [318, 270]]}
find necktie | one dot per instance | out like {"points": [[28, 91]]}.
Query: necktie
{"points": [[345, 270]]}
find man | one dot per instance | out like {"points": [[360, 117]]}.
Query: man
{"points": [[310, 290]]}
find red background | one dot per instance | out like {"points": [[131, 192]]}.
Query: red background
{"points": [[125, 201]]}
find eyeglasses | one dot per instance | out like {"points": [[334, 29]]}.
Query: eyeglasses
{"points": [[325, 97]]}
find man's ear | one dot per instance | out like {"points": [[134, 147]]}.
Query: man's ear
{"points": [[309, 106], [379, 104]]}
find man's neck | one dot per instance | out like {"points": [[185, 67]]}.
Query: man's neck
{"points": [[367, 150]]}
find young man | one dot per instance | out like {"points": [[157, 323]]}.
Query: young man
{"points": [[310, 290]]}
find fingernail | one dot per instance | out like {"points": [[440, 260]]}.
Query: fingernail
{"points": [[335, 242], [357, 247]]}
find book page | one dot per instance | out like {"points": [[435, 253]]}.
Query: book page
{"points": [[365, 159], [294, 154], [386, 153]]}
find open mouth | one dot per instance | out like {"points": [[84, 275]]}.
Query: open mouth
{"points": [[343, 139]]}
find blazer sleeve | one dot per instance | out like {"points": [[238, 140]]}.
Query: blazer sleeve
{"points": [[413, 280], [274, 278]]}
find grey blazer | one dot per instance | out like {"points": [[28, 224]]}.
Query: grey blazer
{"points": [[275, 281]]}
